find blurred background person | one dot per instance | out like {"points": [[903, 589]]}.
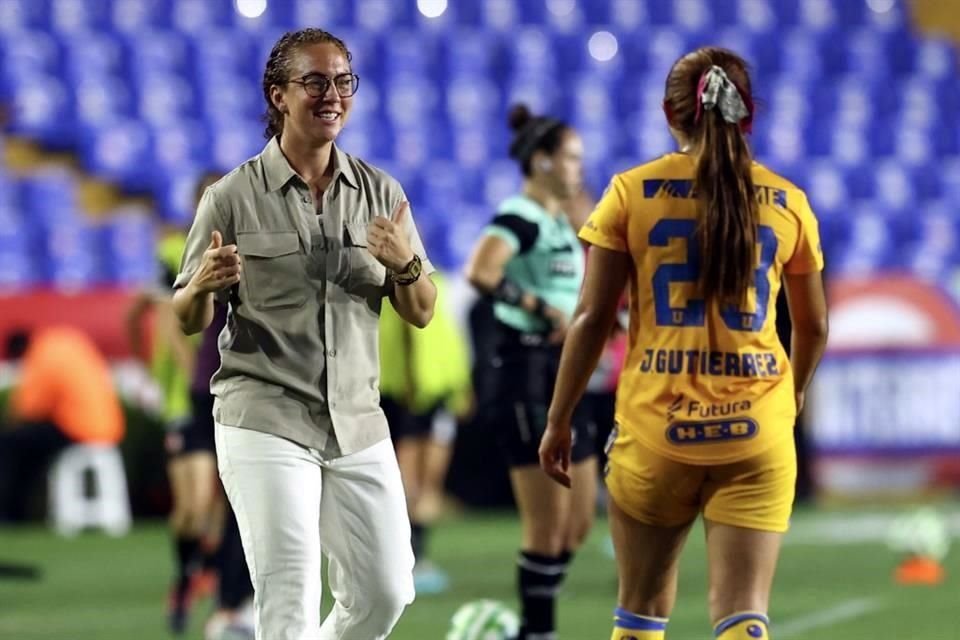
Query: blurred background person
{"points": [[425, 392], [191, 465], [530, 262], [64, 395]]}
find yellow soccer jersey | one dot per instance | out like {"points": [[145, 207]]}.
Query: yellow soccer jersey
{"points": [[702, 384]]}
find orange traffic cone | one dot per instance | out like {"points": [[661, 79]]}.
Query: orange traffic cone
{"points": [[919, 570]]}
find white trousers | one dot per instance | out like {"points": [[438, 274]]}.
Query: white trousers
{"points": [[290, 504]]}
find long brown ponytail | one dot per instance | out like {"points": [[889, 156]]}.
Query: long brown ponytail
{"points": [[728, 210]]}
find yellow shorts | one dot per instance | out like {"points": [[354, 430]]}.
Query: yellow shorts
{"points": [[756, 493]]}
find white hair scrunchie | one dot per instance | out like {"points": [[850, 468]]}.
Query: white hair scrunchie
{"points": [[717, 90]]}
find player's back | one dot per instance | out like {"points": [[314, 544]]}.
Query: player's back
{"points": [[702, 383]]}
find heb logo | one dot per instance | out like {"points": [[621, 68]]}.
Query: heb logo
{"points": [[721, 431]]}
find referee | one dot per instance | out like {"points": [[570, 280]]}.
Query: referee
{"points": [[530, 262]]}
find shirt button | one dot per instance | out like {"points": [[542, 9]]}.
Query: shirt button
{"points": [[305, 200], [332, 353]]}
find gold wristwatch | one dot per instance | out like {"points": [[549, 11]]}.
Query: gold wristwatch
{"points": [[410, 273]]}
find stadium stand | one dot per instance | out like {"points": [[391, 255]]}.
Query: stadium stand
{"points": [[145, 94]]}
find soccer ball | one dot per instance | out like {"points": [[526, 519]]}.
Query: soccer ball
{"points": [[484, 620], [922, 533]]}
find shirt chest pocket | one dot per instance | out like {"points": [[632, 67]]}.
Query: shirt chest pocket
{"points": [[366, 275], [273, 269]]}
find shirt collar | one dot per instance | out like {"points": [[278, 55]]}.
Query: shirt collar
{"points": [[278, 172]]}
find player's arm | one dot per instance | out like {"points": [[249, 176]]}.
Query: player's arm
{"points": [[210, 266], [507, 236], [593, 320], [142, 303], [808, 314]]}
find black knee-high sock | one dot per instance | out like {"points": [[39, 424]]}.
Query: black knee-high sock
{"points": [[418, 539], [235, 585], [188, 556], [539, 580]]}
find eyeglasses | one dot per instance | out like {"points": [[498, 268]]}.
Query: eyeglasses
{"points": [[316, 84]]}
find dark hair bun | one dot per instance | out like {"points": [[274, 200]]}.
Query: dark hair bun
{"points": [[519, 116]]}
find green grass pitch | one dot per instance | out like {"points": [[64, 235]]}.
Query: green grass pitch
{"points": [[834, 582]]}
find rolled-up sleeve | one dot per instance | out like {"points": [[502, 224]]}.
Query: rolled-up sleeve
{"points": [[209, 218]]}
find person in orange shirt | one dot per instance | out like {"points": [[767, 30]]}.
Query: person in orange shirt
{"points": [[65, 395]]}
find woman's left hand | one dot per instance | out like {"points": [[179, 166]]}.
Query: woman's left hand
{"points": [[387, 240], [555, 448]]}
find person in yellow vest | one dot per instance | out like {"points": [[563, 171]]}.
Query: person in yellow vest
{"points": [[197, 512], [425, 388]]}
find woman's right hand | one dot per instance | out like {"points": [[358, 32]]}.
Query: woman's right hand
{"points": [[219, 268]]}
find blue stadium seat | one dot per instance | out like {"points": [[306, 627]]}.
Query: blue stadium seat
{"points": [[856, 105], [23, 15], [121, 151], [189, 16], [227, 53], [94, 54], [183, 142], [103, 98], [164, 98], [503, 179], [79, 16], [126, 237], [400, 57], [43, 109], [629, 15], [471, 52], [154, 50], [471, 100], [333, 14], [71, 256], [533, 89], [174, 191], [133, 16], [234, 142], [477, 144], [226, 97], [30, 52], [497, 15]]}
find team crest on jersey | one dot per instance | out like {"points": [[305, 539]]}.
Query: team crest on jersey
{"points": [[712, 431]]}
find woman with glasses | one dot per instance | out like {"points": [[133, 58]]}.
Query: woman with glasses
{"points": [[530, 262], [303, 242]]}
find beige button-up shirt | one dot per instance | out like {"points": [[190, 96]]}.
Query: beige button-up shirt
{"points": [[300, 356]]}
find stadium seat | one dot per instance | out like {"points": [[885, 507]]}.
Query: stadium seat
{"points": [[855, 104]]}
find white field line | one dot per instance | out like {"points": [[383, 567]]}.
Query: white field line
{"points": [[853, 529], [846, 610]]}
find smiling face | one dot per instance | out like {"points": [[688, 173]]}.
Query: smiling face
{"points": [[314, 120]]}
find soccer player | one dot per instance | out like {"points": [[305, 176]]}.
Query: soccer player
{"points": [[708, 398], [531, 263], [191, 465]]}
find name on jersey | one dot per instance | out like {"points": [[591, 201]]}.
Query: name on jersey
{"points": [[759, 364], [718, 431], [684, 189]]}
